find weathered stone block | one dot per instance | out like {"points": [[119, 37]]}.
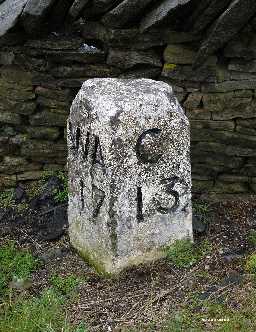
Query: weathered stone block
{"points": [[50, 133], [17, 76], [230, 86], [229, 150], [132, 38], [50, 119], [159, 13], [56, 94], [18, 107], [198, 114], [56, 43], [30, 175], [186, 73], [145, 71], [126, 11], [10, 11], [214, 125], [52, 103], [76, 71], [76, 8], [10, 118], [193, 100], [7, 181], [232, 188], [13, 165], [202, 186], [34, 14], [183, 55], [44, 151], [253, 185], [127, 59], [242, 66], [6, 58], [129, 172]]}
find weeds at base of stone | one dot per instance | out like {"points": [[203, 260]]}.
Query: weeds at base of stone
{"points": [[202, 209], [65, 285], [252, 237], [183, 253]]}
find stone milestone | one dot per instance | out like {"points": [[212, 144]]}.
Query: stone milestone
{"points": [[129, 172]]}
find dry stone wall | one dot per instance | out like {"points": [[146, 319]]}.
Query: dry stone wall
{"points": [[40, 77]]}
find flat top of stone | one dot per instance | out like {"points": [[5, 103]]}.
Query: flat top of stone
{"points": [[108, 97]]}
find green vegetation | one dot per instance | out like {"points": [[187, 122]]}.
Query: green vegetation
{"points": [[37, 314], [60, 196], [20, 312], [250, 264], [14, 264], [183, 253], [7, 202], [65, 285], [202, 209], [252, 237], [6, 199], [213, 316]]}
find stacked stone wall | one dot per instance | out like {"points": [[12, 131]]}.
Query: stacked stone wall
{"points": [[40, 77]]}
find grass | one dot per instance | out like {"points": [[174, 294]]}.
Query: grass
{"points": [[183, 253], [65, 285], [252, 237], [45, 313], [202, 209], [60, 196], [250, 264], [6, 199], [217, 317], [20, 312], [15, 264]]}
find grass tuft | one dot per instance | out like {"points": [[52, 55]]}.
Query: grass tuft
{"points": [[252, 237], [15, 264], [250, 264], [41, 314], [65, 285], [183, 253]]}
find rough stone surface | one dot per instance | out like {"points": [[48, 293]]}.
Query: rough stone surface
{"points": [[180, 54], [128, 59], [100, 7], [129, 172], [209, 14], [229, 23], [161, 12], [127, 11], [10, 10], [34, 13], [76, 8]]}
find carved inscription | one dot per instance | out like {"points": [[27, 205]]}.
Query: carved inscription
{"points": [[82, 193], [149, 146], [140, 217]]}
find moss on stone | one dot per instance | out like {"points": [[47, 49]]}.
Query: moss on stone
{"points": [[98, 266], [170, 66]]}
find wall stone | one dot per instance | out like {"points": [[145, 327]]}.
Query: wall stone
{"points": [[40, 77]]}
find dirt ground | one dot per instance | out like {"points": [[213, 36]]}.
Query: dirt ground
{"points": [[146, 296]]}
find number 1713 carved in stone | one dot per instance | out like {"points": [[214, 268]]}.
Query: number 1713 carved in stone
{"points": [[129, 172]]}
